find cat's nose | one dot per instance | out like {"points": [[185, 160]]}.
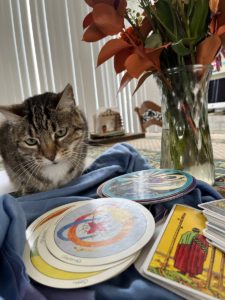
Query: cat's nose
{"points": [[49, 153], [51, 156], [49, 150]]}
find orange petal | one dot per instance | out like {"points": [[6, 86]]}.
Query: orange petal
{"points": [[92, 3], [212, 25], [136, 65], [124, 81], [152, 50], [213, 4], [221, 14], [222, 37], [107, 19], [154, 55], [110, 49], [142, 80], [121, 9], [88, 20], [92, 34], [221, 30], [146, 27], [207, 50], [119, 60]]}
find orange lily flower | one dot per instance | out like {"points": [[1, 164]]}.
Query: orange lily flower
{"points": [[130, 55], [106, 18]]}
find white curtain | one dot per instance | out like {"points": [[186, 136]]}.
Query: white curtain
{"points": [[41, 50]]}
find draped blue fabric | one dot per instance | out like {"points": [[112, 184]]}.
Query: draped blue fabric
{"points": [[17, 213]]}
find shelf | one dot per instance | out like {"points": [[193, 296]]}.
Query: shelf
{"points": [[116, 139]]}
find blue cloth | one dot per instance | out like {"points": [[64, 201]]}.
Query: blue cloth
{"points": [[17, 213]]}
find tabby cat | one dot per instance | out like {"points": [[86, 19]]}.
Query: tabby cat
{"points": [[43, 141]]}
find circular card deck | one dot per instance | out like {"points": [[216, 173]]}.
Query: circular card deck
{"points": [[47, 256], [172, 197], [41, 224], [150, 186], [45, 274], [100, 232]]}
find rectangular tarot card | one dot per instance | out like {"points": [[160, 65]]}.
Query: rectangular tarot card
{"points": [[181, 259]]}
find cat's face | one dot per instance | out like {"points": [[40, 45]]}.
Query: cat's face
{"points": [[47, 138], [50, 140]]}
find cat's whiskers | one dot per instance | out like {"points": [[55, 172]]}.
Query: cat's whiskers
{"points": [[25, 169], [21, 164], [34, 171], [77, 160]]}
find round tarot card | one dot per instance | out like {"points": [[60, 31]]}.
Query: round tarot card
{"points": [[100, 232], [149, 186], [49, 258], [41, 271], [40, 226]]}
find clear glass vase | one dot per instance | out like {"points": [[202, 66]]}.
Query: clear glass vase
{"points": [[186, 142]]}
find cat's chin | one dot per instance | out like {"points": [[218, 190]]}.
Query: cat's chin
{"points": [[56, 172]]}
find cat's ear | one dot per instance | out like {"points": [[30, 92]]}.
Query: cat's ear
{"points": [[12, 114], [66, 101]]}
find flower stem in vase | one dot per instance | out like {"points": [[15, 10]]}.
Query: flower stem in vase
{"points": [[186, 141]]}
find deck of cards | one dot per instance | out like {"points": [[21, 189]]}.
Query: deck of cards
{"points": [[86, 242], [214, 212], [180, 258], [149, 186]]}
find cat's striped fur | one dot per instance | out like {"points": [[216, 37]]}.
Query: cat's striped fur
{"points": [[43, 141]]}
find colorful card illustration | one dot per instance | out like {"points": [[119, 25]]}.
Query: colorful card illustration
{"points": [[50, 215], [44, 273], [70, 266], [217, 207], [100, 232], [55, 273], [182, 259], [149, 184]]}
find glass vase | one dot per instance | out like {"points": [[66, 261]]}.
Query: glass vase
{"points": [[186, 142]]}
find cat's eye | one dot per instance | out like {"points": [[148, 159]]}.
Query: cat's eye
{"points": [[31, 142], [61, 132]]}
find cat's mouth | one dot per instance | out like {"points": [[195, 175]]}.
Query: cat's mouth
{"points": [[49, 163], [46, 162]]}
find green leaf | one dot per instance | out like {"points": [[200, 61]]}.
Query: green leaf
{"points": [[198, 19], [190, 8], [189, 41], [164, 13], [180, 48], [153, 41]]}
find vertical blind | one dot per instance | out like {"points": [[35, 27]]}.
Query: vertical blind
{"points": [[41, 50]]}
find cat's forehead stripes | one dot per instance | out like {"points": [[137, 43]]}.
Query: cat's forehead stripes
{"points": [[40, 118], [38, 113]]}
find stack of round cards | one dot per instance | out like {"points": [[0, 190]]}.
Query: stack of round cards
{"points": [[149, 186], [86, 242]]}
